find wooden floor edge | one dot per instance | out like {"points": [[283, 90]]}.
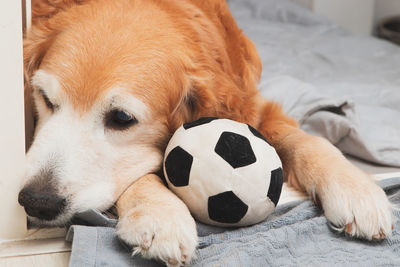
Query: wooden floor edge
{"points": [[33, 247]]}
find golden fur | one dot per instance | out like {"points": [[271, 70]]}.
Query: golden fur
{"points": [[186, 59]]}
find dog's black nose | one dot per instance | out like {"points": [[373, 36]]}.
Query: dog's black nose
{"points": [[43, 205]]}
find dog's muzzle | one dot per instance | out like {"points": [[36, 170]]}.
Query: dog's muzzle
{"points": [[40, 199]]}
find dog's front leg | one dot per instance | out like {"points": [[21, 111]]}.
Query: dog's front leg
{"points": [[352, 202], [156, 222]]}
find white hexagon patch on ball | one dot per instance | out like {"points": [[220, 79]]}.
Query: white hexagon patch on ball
{"points": [[225, 171]]}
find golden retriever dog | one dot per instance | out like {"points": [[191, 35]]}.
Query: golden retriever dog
{"points": [[111, 82]]}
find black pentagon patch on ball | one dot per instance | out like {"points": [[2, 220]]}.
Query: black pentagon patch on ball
{"points": [[177, 165], [198, 122], [275, 186], [235, 149], [226, 208], [257, 133]]}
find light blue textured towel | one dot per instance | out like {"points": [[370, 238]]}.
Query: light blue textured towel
{"points": [[297, 234]]}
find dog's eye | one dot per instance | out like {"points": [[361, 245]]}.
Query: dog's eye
{"points": [[46, 100], [119, 120]]}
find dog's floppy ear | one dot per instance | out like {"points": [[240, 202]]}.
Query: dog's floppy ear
{"points": [[242, 53], [219, 84]]}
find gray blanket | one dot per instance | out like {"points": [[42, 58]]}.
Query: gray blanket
{"points": [[297, 234]]}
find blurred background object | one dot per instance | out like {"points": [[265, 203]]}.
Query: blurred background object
{"points": [[356, 16], [367, 17], [389, 28]]}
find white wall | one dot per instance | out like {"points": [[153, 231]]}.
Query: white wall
{"points": [[306, 3], [356, 16]]}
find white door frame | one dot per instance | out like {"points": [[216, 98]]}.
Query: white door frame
{"points": [[14, 16]]}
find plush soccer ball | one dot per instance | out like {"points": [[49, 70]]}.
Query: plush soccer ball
{"points": [[225, 172]]}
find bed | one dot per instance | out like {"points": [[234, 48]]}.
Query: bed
{"points": [[337, 85]]}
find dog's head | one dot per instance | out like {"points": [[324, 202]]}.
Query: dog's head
{"points": [[111, 80]]}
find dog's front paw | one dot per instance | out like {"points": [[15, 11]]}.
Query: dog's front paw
{"points": [[356, 205], [165, 234]]}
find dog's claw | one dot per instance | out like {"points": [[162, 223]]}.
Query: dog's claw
{"points": [[173, 262], [348, 228], [379, 236]]}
